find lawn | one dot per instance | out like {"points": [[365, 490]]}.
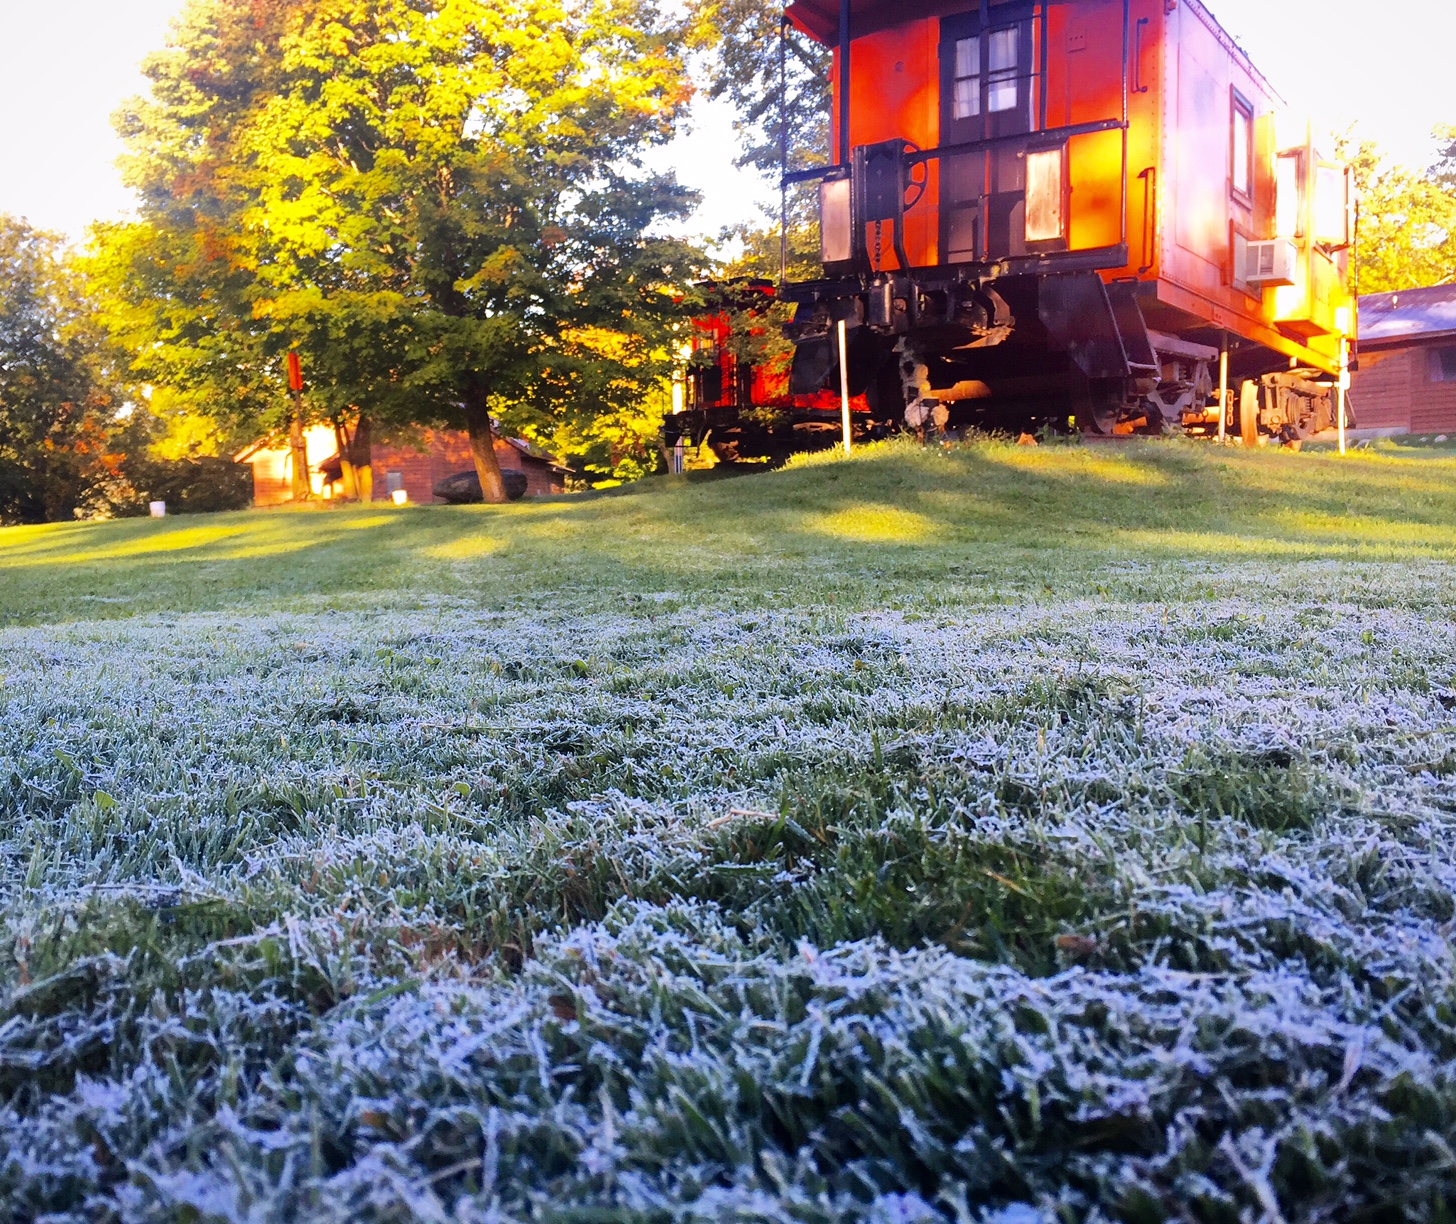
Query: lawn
{"points": [[991, 835]]}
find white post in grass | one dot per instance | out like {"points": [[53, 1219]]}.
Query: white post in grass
{"points": [[844, 387], [1344, 383], [1223, 389], [1342, 321]]}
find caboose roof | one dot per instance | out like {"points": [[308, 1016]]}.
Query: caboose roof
{"points": [[820, 20], [1408, 316]]}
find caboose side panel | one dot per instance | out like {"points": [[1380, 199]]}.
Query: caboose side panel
{"points": [[1088, 46], [896, 95], [1220, 125]]}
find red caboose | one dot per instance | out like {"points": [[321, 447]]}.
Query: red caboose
{"points": [[1050, 208]]}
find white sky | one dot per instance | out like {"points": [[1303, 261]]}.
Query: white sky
{"points": [[65, 66]]}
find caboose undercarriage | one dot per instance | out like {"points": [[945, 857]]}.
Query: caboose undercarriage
{"points": [[945, 351], [959, 349]]}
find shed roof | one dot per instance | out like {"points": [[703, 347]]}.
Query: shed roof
{"points": [[1410, 315]]}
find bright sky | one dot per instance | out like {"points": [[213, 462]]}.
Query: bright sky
{"points": [[65, 66]]}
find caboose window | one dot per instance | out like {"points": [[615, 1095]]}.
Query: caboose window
{"points": [[1289, 195], [1005, 55], [1332, 206], [1003, 89], [1243, 146], [967, 78]]}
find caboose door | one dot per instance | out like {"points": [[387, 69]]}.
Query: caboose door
{"points": [[986, 80]]}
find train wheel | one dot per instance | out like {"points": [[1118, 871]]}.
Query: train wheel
{"points": [[1098, 411], [886, 393]]}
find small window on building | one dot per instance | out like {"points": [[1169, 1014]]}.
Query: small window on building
{"points": [[1332, 206], [1443, 365], [1289, 195], [1045, 215], [393, 482], [1243, 147]]}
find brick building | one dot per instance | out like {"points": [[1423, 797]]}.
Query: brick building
{"points": [[1406, 382], [415, 464]]}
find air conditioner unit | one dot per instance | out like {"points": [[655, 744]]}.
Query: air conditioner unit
{"points": [[1272, 263]]}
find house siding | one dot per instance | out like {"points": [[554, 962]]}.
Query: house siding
{"points": [[1380, 391], [273, 466], [1433, 404], [422, 463], [1393, 389]]}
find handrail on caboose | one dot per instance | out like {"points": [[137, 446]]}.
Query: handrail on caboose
{"points": [[843, 167], [921, 156]]}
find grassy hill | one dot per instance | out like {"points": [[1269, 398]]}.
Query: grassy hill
{"points": [[885, 525], [987, 834]]}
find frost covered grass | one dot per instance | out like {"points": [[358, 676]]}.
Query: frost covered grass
{"points": [[1001, 836]]}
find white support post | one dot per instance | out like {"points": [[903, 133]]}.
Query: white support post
{"points": [[1223, 389], [844, 387], [1343, 392]]}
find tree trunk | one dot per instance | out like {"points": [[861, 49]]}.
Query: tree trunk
{"points": [[346, 462], [298, 449], [482, 448], [362, 452]]}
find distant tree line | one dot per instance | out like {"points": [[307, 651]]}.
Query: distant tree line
{"points": [[71, 443]]}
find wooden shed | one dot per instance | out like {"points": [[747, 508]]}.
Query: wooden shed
{"points": [[272, 464], [1406, 382]]}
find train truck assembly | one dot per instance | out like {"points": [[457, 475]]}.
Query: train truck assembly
{"points": [[1068, 212]]}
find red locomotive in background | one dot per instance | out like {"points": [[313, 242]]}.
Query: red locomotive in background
{"points": [[1084, 210], [739, 399]]}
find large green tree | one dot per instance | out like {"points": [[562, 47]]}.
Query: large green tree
{"points": [[777, 80], [1407, 234], [440, 203]]}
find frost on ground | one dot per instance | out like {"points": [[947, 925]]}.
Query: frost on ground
{"points": [[1063, 911]]}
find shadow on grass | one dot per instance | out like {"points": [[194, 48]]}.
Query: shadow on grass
{"points": [[879, 525]]}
